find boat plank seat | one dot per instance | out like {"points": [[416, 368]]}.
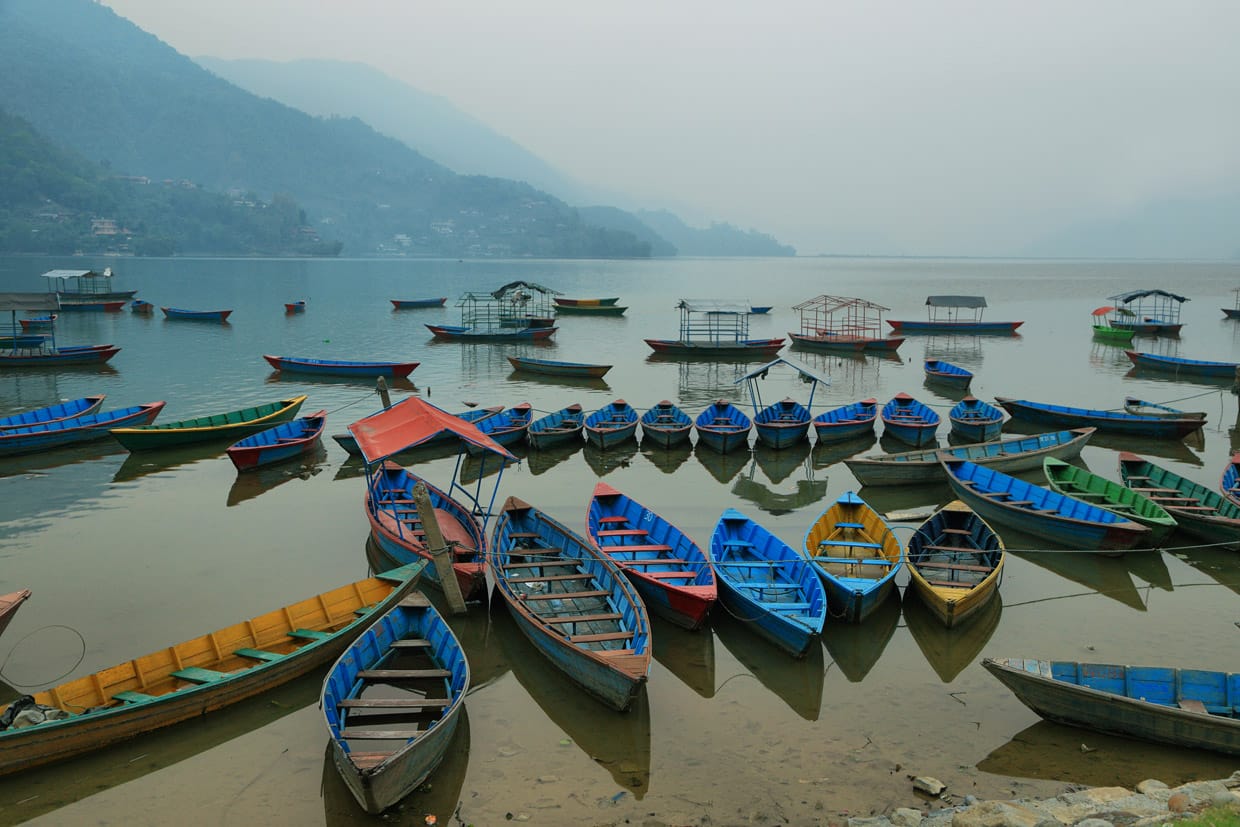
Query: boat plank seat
{"points": [[410, 643], [133, 697], [1193, 705], [289, 439], [566, 595], [258, 654], [601, 636], [541, 563], [523, 535], [737, 544], [741, 564], [379, 734], [414, 600], [368, 760], [850, 525], [623, 532], [308, 634], [638, 547], [954, 549], [615, 518], [1019, 503], [1175, 507], [963, 532], [954, 584], [537, 551], [869, 561], [393, 703], [780, 606], [654, 561], [1155, 488], [930, 564], [583, 618], [550, 578], [402, 674], [855, 543], [671, 575], [194, 674]]}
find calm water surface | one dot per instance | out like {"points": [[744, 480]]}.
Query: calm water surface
{"points": [[129, 554]]}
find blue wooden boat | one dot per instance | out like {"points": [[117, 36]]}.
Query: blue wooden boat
{"points": [[975, 421], [506, 428], [857, 556], [392, 702], [552, 367], [53, 413], [665, 425], [766, 584], [58, 357], [563, 426], [955, 563], [1198, 510], [910, 421], [48, 435], [760, 310], [196, 315], [408, 304], [846, 422], [1229, 483], [38, 324], [1190, 708], [945, 373], [463, 333], [1041, 512], [1183, 367], [1142, 407], [24, 341], [340, 367], [668, 568], [298, 306], [1017, 454], [782, 424], [1116, 422], [473, 416], [285, 441], [141, 306], [611, 424], [947, 314], [571, 603], [723, 427]]}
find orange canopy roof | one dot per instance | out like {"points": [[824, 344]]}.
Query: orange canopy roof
{"points": [[410, 423]]}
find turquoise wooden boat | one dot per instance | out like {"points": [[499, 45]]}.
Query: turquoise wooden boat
{"points": [[53, 413], [1229, 483], [506, 428], [182, 314], [45, 436], [611, 424], [723, 427], [846, 422], [857, 556], [1118, 422], [1183, 367], [1081, 484], [945, 373], [665, 425], [1041, 512], [975, 421], [766, 584], [1198, 510], [392, 702], [558, 428], [571, 603], [909, 421], [1191, 708], [782, 424]]}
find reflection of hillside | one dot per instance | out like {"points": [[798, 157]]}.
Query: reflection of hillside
{"points": [[798, 683], [666, 460], [949, 651], [252, 483], [856, 647], [690, 656], [618, 742], [723, 467]]}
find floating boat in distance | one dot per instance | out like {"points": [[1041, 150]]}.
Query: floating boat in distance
{"points": [[975, 421], [551, 367], [1106, 332], [181, 313], [409, 304], [1183, 367], [846, 422], [723, 427], [910, 421], [285, 441], [61, 356], [1087, 486], [832, 340], [857, 556], [200, 675], [945, 373], [231, 426], [140, 306], [706, 349], [9, 604], [340, 367], [563, 302], [1118, 422], [955, 563], [665, 425], [45, 436], [1148, 312], [392, 702], [760, 310], [53, 413], [460, 333], [1189, 708], [38, 324], [295, 307], [710, 328], [1140, 407], [93, 306], [1199, 511], [611, 424], [590, 309], [945, 315]]}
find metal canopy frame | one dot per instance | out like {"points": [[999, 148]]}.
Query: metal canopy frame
{"points": [[949, 308], [1157, 306], [755, 393], [716, 321], [841, 316]]}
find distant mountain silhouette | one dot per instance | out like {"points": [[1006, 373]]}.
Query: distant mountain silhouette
{"points": [[718, 239]]}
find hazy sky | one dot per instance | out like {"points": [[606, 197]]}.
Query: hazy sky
{"points": [[913, 127]]}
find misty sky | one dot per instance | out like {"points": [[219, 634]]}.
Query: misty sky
{"points": [[944, 127]]}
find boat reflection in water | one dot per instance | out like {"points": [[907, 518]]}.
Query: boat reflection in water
{"points": [[1218, 564], [618, 742], [826, 454], [667, 460], [1152, 568], [142, 463], [252, 483], [439, 796], [523, 380], [1179, 450], [617, 456], [690, 656], [723, 467], [779, 464], [476, 468], [807, 492], [1108, 576], [542, 461], [798, 683], [949, 651], [856, 647]]}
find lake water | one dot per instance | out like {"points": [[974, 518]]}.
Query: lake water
{"points": [[129, 554]]}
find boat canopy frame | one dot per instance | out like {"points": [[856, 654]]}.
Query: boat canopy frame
{"points": [[13, 302], [714, 321], [1156, 306], [950, 308], [841, 316], [752, 378], [518, 304]]}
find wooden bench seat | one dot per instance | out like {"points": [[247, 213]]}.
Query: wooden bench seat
{"points": [[308, 634], [671, 575], [954, 549], [257, 654], [600, 637], [855, 543], [393, 703], [955, 584], [523, 535], [410, 643], [954, 566], [615, 518], [963, 532], [194, 674], [868, 561], [540, 564], [133, 697], [638, 547], [654, 561], [566, 595], [379, 734], [402, 674], [583, 618], [623, 532], [857, 526], [550, 578]]}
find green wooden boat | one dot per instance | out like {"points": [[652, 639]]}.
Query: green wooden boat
{"points": [[216, 427], [1107, 333], [1076, 482]]}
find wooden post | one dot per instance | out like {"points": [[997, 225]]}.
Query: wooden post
{"points": [[441, 554], [382, 389], [1235, 382]]}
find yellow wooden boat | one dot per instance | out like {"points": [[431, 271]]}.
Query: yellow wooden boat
{"points": [[955, 563], [197, 676]]}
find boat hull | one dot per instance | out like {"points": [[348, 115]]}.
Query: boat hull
{"points": [[456, 333], [907, 326], [408, 304], [579, 370], [707, 349], [284, 442], [59, 412], [86, 355], [216, 428], [81, 429], [196, 315], [1108, 421], [849, 344], [337, 367], [1183, 367], [590, 310]]}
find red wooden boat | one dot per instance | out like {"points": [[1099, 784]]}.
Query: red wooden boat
{"points": [[9, 604], [295, 307]]}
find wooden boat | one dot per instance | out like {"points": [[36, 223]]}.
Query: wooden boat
{"points": [[945, 373], [1113, 334], [53, 413], [196, 315], [76, 288], [1041, 512], [907, 326], [1148, 312], [396, 528], [857, 556], [955, 563], [1010, 455], [1233, 312], [846, 422], [832, 340], [611, 424], [1184, 707], [590, 310], [665, 425], [223, 426], [782, 424], [1183, 367], [473, 416], [62, 356], [201, 675], [708, 349], [392, 702], [760, 310], [114, 306], [1118, 422], [1140, 407], [460, 333], [1198, 510], [24, 341], [140, 306], [9, 604], [48, 435], [1080, 484], [1229, 482], [507, 427], [553, 368], [285, 441], [38, 324], [409, 304], [765, 583], [910, 421], [944, 314], [723, 427], [670, 571], [975, 420], [563, 426], [340, 367], [571, 603], [563, 302], [295, 307]]}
